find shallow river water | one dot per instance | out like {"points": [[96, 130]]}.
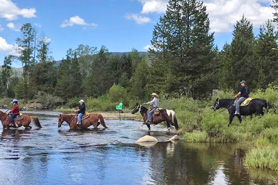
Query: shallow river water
{"points": [[58, 156]]}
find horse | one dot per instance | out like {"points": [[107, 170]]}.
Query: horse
{"points": [[164, 115], [255, 106], [71, 120], [25, 121]]}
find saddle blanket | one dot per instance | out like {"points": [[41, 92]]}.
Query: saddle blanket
{"points": [[246, 102]]}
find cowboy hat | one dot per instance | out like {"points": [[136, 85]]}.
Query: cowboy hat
{"points": [[243, 82], [154, 94], [81, 101]]}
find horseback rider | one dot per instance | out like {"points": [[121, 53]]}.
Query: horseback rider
{"points": [[154, 104], [242, 94], [14, 113], [81, 111]]}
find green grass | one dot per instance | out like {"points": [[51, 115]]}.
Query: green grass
{"points": [[263, 158]]}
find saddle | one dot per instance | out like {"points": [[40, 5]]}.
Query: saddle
{"points": [[85, 116], [157, 112], [246, 102], [18, 117]]}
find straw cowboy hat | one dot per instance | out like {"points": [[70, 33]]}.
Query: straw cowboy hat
{"points": [[154, 94]]}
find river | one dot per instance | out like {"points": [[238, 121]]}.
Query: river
{"points": [[58, 156]]}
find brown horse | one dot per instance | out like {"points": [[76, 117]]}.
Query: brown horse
{"points": [[24, 121], [164, 115], [71, 119]]}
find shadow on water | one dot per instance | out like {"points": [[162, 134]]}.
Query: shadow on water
{"points": [[59, 156]]}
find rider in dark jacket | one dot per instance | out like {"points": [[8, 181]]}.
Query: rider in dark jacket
{"points": [[243, 94], [81, 111]]}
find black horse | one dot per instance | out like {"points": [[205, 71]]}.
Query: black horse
{"points": [[255, 106], [164, 115]]}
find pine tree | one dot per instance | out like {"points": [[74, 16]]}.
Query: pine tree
{"points": [[27, 46], [6, 74], [76, 78], [182, 40], [238, 60], [266, 53], [138, 88], [100, 78]]}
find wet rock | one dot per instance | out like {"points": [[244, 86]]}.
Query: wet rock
{"points": [[147, 144], [146, 139], [174, 138]]}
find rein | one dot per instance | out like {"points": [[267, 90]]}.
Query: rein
{"points": [[231, 103]]}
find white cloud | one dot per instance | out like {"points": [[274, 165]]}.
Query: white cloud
{"points": [[8, 49], [46, 40], [76, 20], [223, 14], [10, 11], [147, 47], [139, 19], [13, 27], [154, 6], [1, 28]]}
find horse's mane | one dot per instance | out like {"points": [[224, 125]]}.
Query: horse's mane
{"points": [[144, 109]]}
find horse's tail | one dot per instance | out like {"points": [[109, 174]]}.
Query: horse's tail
{"points": [[172, 114], [36, 121], [102, 122], [176, 122]]}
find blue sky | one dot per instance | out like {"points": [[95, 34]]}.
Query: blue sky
{"points": [[120, 25]]}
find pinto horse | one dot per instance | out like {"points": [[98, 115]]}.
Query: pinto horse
{"points": [[164, 115], [24, 121], [255, 106], [71, 119]]}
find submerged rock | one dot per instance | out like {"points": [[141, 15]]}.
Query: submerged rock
{"points": [[146, 139], [174, 138]]}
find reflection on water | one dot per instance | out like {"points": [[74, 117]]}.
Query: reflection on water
{"points": [[59, 156]]}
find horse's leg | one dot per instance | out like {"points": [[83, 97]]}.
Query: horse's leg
{"points": [[231, 118], [149, 126], [239, 118]]}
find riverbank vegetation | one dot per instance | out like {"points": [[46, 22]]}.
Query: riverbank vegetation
{"points": [[183, 66]]}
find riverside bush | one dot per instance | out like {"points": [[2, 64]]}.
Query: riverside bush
{"points": [[100, 104]]}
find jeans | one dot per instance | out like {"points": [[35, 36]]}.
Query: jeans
{"points": [[80, 118], [12, 118], [151, 114], [238, 103]]}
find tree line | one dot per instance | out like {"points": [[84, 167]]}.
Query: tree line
{"points": [[183, 61]]}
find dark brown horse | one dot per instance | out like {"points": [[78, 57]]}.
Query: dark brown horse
{"points": [[164, 115], [71, 119], [24, 121]]}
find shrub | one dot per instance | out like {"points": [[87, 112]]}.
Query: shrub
{"points": [[73, 102], [117, 94], [48, 100], [100, 104]]}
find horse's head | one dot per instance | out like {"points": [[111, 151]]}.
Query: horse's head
{"points": [[216, 105], [136, 108], [60, 120]]}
